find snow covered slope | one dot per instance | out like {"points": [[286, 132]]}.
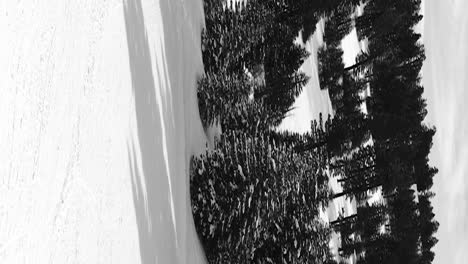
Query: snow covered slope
{"points": [[98, 120]]}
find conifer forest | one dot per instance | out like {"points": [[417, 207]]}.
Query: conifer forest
{"points": [[257, 192]]}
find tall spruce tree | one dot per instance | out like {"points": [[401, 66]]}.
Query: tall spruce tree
{"points": [[256, 199]]}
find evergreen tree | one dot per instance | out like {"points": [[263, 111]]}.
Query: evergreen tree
{"points": [[256, 196], [256, 199]]}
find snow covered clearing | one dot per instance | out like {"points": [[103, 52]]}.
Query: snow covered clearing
{"points": [[99, 118], [312, 101]]}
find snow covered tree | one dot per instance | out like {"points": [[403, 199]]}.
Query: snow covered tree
{"points": [[256, 199]]}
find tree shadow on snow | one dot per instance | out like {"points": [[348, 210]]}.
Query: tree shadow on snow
{"points": [[159, 181]]}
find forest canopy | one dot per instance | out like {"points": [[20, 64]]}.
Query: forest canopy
{"points": [[256, 196]]}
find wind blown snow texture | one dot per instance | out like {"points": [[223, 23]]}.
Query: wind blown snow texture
{"points": [[98, 119]]}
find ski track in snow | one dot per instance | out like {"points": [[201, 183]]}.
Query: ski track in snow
{"points": [[98, 110]]}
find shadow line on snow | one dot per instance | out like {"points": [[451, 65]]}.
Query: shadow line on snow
{"points": [[160, 142], [151, 184]]}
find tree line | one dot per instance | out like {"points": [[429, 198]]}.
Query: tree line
{"points": [[401, 228], [256, 196]]}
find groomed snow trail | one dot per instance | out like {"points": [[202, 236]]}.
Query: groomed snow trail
{"points": [[98, 120]]}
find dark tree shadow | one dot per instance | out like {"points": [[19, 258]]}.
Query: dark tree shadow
{"points": [[151, 227], [164, 131]]}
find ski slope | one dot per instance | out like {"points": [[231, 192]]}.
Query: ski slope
{"points": [[98, 120]]}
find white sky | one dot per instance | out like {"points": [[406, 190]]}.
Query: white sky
{"points": [[444, 77]]}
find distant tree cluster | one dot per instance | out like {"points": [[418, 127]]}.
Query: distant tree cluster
{"points": [[256, 37], [401, 228]]}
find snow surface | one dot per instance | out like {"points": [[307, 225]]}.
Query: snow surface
{"points": [[312, 101], [98, 119]]}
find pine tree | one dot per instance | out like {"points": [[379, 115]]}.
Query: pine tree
{"points": [[261, 195]]}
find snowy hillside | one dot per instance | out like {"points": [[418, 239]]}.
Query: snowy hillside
{"points": [[98, 119]]}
